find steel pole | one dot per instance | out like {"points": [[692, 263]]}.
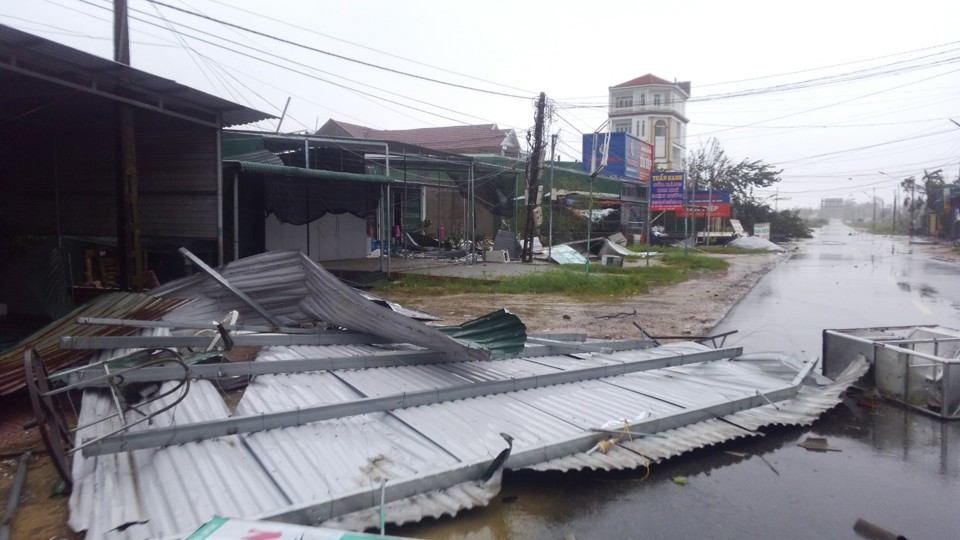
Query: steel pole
{"points": [[553, 148]]}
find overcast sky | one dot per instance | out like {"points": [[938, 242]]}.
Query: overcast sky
{"points": [[836, 91]]}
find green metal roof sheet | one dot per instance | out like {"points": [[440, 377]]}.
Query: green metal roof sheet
{"points": [[268, 169], [500, 332], [566, 175]]}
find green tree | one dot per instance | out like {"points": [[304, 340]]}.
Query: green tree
{"points": [[914, 200], [710, 167], [933, 184]]}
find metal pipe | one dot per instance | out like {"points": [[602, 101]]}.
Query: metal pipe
{"points": [[227, 285], [320, 510], [261, 340], [219, 167], [386, 166], [553, 151], [236, 215], [218, 428], [89, 377], [901, 350], [134, 323]]}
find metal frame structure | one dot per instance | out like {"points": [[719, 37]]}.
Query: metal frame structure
{"points": [[49, 418], [922, 380]]}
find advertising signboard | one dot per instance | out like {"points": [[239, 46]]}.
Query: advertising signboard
{"points": [[737, 227], [708, 203], [627, 156], [666, 191], [761, 230]]}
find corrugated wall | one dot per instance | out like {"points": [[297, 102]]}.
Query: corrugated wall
{"points": [[75, 169], [178, 178]]}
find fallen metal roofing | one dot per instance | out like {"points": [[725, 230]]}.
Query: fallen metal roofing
{"points": [[426, 436], [47, 340], [296, 291], [320, 469]]}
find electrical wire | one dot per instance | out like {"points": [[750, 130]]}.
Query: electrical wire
{"points": [[338, 56], [305, 66], [360, 45]]}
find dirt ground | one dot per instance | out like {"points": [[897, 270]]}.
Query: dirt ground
{"points": [[690, 308]]}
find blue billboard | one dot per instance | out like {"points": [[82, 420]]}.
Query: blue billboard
{"points": [[666, 191], [627, 155]]}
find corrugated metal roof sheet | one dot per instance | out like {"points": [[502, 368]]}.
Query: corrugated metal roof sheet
{"points": [[269, 169], [469, 139], [77, 68], [332, 469], [47, 340], [296, 290], [316, 462]]}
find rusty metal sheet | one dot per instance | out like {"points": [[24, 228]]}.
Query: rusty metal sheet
{"points": [[47, 340]]}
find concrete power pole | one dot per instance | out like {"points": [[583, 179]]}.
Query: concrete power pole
{"points": [[128, 190], [533, 180]]}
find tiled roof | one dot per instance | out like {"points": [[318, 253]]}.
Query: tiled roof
{"points": [[450, 138], [649, 78]]}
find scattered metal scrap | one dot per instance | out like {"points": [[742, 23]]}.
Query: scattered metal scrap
{"points": [[399, 415], [13, 498], [47, 340], [817, 444]]}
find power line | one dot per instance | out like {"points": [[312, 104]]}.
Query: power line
{"points": [[339, 56], [319, 71], [825, 126], [894, 68], [859, 148], [360, 45], [287, 68]]}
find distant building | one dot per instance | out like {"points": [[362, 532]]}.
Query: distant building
{"points": [[483, 139], [654, 110]]}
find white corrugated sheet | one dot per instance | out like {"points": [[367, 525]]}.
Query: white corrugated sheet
{"points": [[166, 492], [296, 290], [162, 492]]}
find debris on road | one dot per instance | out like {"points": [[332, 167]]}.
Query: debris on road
{"points": [[346, 396]]}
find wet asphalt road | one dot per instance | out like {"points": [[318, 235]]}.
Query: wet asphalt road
{"points": [[898, 469], [842, 279]]}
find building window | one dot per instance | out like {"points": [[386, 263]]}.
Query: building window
{"points": [[621, 127], [643, 100], [660, 139], [624, 102], [643, 129], [656, 100]]}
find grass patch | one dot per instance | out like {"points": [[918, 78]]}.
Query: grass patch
{"points": [[568, 280], [690, 261], [721, 250]]}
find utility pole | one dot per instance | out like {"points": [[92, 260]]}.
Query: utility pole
{"points": [[896, 203], [533, 180], [874, 210], [128, 190]]}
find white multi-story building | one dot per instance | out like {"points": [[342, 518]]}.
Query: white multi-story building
{"points": [[654, 110]]}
